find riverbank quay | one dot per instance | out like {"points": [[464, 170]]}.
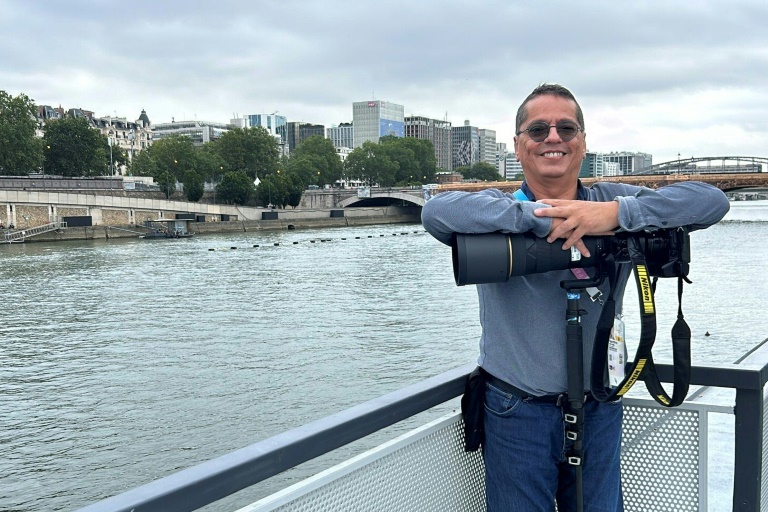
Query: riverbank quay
{"points": [[110, 216], [210, 228]]}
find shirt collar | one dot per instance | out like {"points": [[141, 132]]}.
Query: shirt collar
{"points": [[583, 194]]}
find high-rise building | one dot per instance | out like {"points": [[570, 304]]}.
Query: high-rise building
{"points": [[629, 163], [439, 132], [274, 124], [297, 132], [592, 166], [487, 146], [501, 158], [341, 136], [513, 168], [465, 145], [375, 119], [598, 165]]}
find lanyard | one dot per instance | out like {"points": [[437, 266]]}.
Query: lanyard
{"points": [[643, 364]]}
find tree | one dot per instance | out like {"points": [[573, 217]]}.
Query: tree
{"points": [[20, 152], [371, 163], [209, 164], [304, 168], [236, 187], [403, 158], [465, 171], [143, 164], [415, 158], [193, 186], [166, 181], [424, 153], [483, 171], [273, 190], [324, 158], [117, 158], [175, 154], [295, 190], [76, 148], [251, 150]]}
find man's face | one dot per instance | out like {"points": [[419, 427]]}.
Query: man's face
{"points": [[551, 160]]}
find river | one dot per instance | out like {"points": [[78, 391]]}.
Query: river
{"points": [[123, 361]]}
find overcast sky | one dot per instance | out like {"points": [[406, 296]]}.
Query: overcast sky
{"points": [[662, 77]]}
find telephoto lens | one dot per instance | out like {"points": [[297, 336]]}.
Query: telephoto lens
{"points": [[495, 257]]}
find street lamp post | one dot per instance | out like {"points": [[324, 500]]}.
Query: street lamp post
{"points": [[221, 168], [132, 138], [111, 165], [45, 155]]}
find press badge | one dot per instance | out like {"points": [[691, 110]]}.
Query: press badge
{"points": [[617, 353]]}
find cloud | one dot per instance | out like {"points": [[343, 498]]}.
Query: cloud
{"points": [[652, 76]]}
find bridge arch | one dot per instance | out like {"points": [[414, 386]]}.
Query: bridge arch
{"points": [[390, 196]]}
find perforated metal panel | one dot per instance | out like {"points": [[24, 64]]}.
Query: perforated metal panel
{"points": [[663, 465], [660, 459], [424, 470], [764, 481]]}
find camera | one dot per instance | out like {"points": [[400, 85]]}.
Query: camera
{"points": [[496, 257]]}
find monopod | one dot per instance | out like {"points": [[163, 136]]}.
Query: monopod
{"points": [[574, 415]]}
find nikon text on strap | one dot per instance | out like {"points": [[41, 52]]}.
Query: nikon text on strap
{"points": [[643, 365]]}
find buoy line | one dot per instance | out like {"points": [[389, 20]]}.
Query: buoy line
{"points": [[314, 240]]}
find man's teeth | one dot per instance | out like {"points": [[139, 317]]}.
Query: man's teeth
{"points": [[553, 153]]}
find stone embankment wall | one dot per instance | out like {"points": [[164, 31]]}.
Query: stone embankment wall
{"points": [[117, 215], [203, 228]]}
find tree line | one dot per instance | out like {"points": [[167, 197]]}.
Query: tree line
{"points": [[235, 161]]}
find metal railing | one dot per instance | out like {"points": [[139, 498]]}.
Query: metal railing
{"points": [[210, 481], [22, 234]]}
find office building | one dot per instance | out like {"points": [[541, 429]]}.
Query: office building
{"points": [[298, 132], [592, 166], [501, 158], [200, 132], [487, 146], [513, 168], [274, 124], [375, 119], [629, 163], [439, 132], [465, 145], [341, 136]]}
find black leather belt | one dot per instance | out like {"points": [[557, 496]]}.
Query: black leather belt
{"points": [[506, 387]]}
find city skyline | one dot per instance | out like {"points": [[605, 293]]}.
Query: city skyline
{"points": [[655, 77]]}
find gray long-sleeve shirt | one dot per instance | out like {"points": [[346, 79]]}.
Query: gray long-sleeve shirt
{"points": [[523, 319]]}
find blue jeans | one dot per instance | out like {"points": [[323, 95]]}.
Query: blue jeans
{"points": [[525, 453]]}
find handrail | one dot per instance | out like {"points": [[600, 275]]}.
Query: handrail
{"points": [[225, 475], [21, 234], [210, 481]]}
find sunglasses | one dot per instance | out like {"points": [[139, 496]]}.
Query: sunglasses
{"points": [[539, 130]]}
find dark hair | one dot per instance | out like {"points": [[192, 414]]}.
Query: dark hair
{"points": [[553, 90]]}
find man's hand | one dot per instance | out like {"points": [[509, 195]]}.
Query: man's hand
{"points": [[573, 220]]}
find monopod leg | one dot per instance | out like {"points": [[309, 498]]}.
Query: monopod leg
{"points": [[574, 415]]}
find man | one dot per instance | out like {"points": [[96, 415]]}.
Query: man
{"points": [[522, 346]]}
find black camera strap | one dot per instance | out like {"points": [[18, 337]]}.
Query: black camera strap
{"points": [[643, 364]]}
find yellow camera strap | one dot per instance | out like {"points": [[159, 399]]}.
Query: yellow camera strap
{"points": [[643, 365]]}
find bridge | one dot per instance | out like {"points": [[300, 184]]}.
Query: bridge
{"points": [[714, 164], [375, 196], [725, 182]]}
